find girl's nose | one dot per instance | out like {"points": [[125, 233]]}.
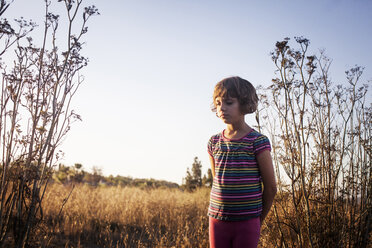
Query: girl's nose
{"points": [[223, 106]]}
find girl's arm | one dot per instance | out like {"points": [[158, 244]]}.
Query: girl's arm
{"points": [[268, 177], [212, 164]]}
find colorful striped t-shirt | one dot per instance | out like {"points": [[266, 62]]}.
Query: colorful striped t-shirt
{"points": [[237, 191]]}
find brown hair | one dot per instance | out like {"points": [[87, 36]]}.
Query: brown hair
{"points": [[239, 88]]}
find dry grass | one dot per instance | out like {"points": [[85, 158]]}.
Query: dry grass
{"points": [[124, 217], [134, 217]]}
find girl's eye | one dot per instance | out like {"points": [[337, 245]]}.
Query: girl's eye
{"points": [[229, 102]]}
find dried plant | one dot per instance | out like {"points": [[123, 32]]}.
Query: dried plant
{"points": [[321, 137], [35, 114]]}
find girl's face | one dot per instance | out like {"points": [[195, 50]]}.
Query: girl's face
{"points": [[228, 110]]}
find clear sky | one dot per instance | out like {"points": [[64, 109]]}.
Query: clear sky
{"points": [[145, 102]]}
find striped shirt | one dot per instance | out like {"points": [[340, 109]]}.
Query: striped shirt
{"points": [[237, 190]]}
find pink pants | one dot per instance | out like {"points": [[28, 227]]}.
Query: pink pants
{"points": [[234, 234]]}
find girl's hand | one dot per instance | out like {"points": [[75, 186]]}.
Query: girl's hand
{"points": [[261, 220], [268, 178]]}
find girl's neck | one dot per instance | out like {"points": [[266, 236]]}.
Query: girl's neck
{"points": [[237, 131]]}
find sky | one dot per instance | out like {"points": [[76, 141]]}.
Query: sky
{"points": [[145, 102]]}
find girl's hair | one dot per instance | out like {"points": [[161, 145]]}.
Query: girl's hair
{"points": [[239, 88]]}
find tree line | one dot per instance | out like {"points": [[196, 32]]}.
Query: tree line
{"points": [[77, 175]]}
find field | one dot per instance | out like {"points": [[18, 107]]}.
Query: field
{"points": [[124, 217], [86, 216]]}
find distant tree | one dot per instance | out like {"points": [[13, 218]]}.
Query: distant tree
{"points": [[204, 180], [60, 175], [77, 173], [96, 176], [208, 178], [188, 181], [193, 178], [66, 174], [197, 172], [78, 166]]}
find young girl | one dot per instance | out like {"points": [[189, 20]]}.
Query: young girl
{"points": [[241, 163]]}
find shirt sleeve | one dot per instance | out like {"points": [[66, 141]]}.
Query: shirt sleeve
{"points": [[210, 146], [260, 144]]}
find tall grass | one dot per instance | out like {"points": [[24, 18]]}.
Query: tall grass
{"points": [[124, 217], [134, 217]]}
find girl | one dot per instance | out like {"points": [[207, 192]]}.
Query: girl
{"points": [[241, 163]]}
